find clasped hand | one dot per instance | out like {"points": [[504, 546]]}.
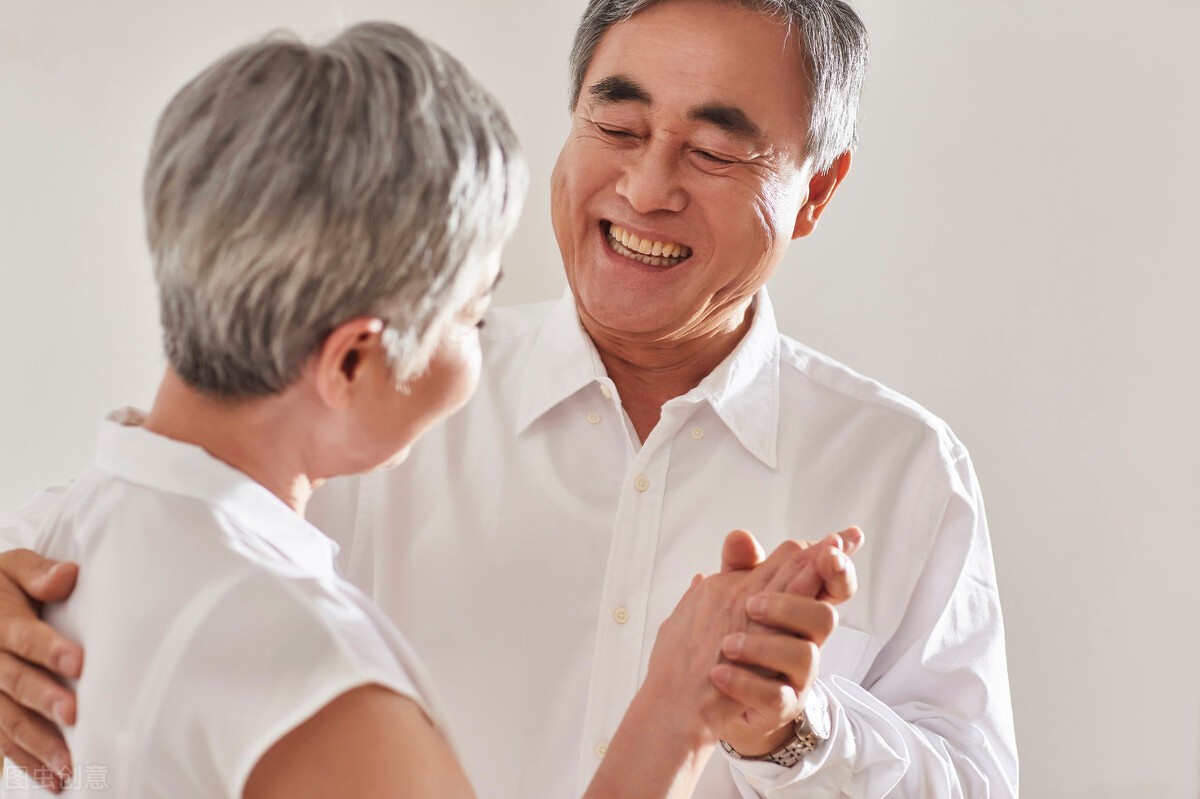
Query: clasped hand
{"points": [[741, 650]]}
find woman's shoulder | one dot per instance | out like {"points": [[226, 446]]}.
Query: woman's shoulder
{"points": [[206, 645]]}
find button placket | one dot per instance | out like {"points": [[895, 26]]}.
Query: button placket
{"points": [[621, 636]]}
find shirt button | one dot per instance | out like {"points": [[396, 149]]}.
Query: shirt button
{"points": [[621, 615], [606, 391], [602, 749], [641, 483], [593, 418], [697, 433]]}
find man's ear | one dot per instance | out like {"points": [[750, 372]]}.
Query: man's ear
{"points": [[820, 191], [341, 361]]}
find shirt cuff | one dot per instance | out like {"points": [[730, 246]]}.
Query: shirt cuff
{"points": [[822, 771]]}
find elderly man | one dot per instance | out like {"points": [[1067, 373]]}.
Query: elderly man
{"points": [[618, 433]]}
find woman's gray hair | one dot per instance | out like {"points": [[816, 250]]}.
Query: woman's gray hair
{"points": [[292, 188], [834, 43]]}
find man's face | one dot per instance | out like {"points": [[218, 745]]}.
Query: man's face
{"points": [[689, 135]]}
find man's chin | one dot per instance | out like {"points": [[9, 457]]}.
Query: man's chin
{"points": [[628, 312]]}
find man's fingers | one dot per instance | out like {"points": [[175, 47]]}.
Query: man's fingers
{"points": [[38, 773], [35, 689], [852, 540], [42, 579], [35, 736], [741, 551], [37, 642], [807, 583], [798, 615], [768, 697], [56, 584], [829, 575], [796, 573], [837, 574], [794, 659]]}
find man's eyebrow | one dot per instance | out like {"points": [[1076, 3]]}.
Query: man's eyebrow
{"points": [[618, 89], [728, 118]]}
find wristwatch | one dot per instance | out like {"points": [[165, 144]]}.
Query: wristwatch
{"points": [[810, 730]]}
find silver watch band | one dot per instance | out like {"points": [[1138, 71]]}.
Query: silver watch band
{"points": [[809, 731]]}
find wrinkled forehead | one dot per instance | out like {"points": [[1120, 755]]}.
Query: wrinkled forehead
{"points": [[680, 55]]}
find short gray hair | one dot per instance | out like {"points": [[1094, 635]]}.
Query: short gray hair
{"points": [[292, 188], [834, 44]]}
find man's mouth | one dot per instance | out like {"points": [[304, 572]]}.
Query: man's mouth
{"points": [[646, 251]]}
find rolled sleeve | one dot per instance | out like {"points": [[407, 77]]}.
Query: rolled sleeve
{"points": [[933, 716]]}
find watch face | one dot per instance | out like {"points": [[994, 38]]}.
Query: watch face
{"points": [[816, 713]]}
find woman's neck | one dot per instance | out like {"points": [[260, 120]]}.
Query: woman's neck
{"points": [[265, 438]]}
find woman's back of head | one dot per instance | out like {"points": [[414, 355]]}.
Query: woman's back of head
{"points": [[293, 187]]}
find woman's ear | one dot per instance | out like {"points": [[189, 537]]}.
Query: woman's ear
{"points": [[340, 363]]}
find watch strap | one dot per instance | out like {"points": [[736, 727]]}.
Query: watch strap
{"points": [[806, 736]]}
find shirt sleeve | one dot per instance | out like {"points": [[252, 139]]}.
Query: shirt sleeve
{"points": [[933, 716], [266, 656], [20, 531]]}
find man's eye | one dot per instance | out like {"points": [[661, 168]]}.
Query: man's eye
{"points": [[714, 159], [616, 133]]}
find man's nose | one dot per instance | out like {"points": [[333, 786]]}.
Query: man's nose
{"points": [[650, 181]]}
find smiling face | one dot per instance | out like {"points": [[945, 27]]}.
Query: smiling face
{"points": [[683, 178]]}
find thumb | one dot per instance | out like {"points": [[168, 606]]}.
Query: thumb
{"points": [[741, 551], [40, 578], [56, 583]]}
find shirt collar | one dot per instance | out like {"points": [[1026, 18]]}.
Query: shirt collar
{"points": [[563, 360], [130, 452], [743, 390]]}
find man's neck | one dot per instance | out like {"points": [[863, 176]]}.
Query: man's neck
{"points": [[258, 437], [650, 373]]}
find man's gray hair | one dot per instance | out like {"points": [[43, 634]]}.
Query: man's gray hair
{"points": [[833, 40], [292, 188]]}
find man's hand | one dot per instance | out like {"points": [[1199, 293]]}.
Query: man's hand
{"points": [[33, 702], [688, 647], [779, 652]]}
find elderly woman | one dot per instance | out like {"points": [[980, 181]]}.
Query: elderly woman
{"points": [[325, 224]]}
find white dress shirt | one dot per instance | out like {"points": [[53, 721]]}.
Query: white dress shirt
{"points": [[531, 547], [213, 622]]}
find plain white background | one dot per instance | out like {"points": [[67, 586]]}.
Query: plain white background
{"points": [[1014, 249]]}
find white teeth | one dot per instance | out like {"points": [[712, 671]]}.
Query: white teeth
{"points": [[648, 247], [650, 260]]}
